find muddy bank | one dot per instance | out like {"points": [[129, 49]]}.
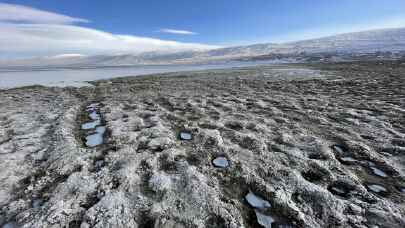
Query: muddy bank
{"points": [[285, 146]]}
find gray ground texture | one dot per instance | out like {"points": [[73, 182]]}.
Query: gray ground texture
{"points": [[315, 145]]}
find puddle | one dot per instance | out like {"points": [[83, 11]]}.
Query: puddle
{"points": [[8, 225], [377, 188], [94, 115], [339, 149], [264, 220], [220, 162], [378, 172], [348, 159], [91, 125], [338, 191], [256, 201], [341, 189], [185, 135], [264, 216], [37, 203], [94, 131], [96, 139]]}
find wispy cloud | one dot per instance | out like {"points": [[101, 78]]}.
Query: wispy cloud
{"points": [[24, 14], [27, 32], [179, 32]]}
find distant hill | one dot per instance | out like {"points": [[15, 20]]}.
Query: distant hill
{"points": [[387, 41]]}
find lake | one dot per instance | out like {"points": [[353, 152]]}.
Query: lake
{"points": [[79, 77]]}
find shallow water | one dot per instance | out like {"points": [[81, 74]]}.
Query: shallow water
{"points": [[378, 172], [221, 162], [95, 139], [376, 188], [94, 115], [37, 203], [91, 125], [8, 225], [257, 201], [264, 220], [80, 77], [348, 159], [185, 136]]}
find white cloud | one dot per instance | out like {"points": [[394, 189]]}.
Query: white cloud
{"points": [[28, 32], [45, 40], [174, 31], [19, 13]]}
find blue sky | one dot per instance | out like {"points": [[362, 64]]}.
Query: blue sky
{"points": [[224, 23]]}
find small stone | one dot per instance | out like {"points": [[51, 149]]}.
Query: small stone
{"points": [[221, 162]]}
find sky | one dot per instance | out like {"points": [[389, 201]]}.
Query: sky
{"points": [[47, 27]]}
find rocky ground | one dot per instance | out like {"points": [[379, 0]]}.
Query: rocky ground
{"points": [[269, 146]]}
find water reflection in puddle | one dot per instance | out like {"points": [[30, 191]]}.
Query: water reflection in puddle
{"points": [[185, 136], [256, 201], [8, 225], [376, 188], [264, 220], [94, 130], [220, 162], [90, 125], [263, 214], [348, 159], [94, 115], [37, 203], [378, 172]]}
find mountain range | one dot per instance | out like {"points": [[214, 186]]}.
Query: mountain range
{"points": [[382, 42]]}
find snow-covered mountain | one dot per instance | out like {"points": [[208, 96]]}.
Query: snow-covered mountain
{"points": [[383, 40]]}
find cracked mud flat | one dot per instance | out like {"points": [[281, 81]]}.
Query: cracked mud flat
{"points": [[298, 146]]}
